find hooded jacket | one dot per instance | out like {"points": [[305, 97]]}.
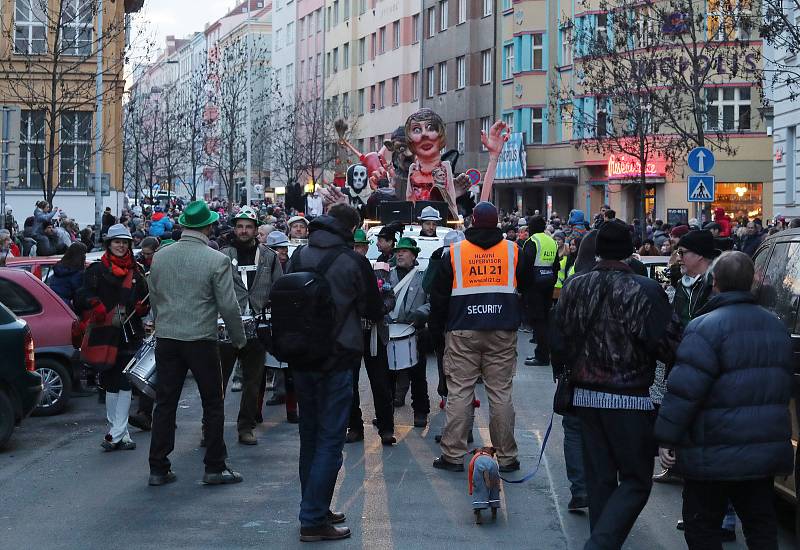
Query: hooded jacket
{"points": [[160, 224], [352, 282], [443, 280], [723, 221], [726, 411]]}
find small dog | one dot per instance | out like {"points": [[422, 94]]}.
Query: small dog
{"points": [[484, 482]]}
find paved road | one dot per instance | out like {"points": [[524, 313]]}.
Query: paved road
{"points": [[58, 491]]}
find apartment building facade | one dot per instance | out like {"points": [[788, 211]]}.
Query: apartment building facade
{"points": [[458, 79], [372, 64], [535, 50], [27, 33]]}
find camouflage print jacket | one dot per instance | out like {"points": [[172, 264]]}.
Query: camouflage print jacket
{"points": [[609, 328]]}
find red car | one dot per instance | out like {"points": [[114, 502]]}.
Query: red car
{"points": [[52, 323]]}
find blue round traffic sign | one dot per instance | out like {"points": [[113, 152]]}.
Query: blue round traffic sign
{"points": [[701, 160]]}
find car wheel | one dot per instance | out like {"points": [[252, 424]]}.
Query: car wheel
{"points": [[6, 418], [56, 387]]}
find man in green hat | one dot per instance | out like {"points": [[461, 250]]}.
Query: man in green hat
{"points": [[254, 268], [360, 242], [190, 286], [412, 308]]}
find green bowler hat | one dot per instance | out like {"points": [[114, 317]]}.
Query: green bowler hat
{"points": [[197, 214]]}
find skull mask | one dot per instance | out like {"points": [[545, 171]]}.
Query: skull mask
{"points": [[357, 177]]}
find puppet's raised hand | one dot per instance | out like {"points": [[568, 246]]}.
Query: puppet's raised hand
{"points": [[332, 195], [497, 137], [462, 183]]}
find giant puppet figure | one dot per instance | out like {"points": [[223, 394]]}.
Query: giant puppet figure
{"points": [[430, 177]]}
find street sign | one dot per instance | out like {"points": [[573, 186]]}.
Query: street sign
{"points": [[701, 160], [701, 188]]}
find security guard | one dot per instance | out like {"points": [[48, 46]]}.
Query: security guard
{"points": [[537, 286], [474, 302]]}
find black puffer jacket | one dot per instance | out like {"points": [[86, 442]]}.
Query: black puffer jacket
{"points": [[610, 326], [726, 410]]}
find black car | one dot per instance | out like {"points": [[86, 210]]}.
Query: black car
{"points": [[777, 287], [20, 384]]}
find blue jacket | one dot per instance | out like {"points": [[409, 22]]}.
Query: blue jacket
{"points": [[65, 282], [160, 226], [726, 411]]}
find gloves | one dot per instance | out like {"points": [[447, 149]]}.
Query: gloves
{"points": [[141, 308], [98, 313]]}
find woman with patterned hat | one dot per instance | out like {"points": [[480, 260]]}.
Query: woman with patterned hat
{"points": [[113, 301]]}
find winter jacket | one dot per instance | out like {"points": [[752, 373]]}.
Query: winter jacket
{"points": [[610, 326], [39, 217], [267, 272], [352, 284], [688, 302], [726, 411], [537, 292], [65, 282], [723, 221], [750, 243], [160, 224], [659, 237], [443, 281], [416, 306]]}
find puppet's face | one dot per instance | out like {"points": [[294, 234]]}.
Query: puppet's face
{"points": [[357, 178], [425, 139]]}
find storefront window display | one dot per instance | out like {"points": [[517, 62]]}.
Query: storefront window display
{"points": [[740, 199]]}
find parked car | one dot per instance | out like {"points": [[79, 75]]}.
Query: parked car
{"points": [[20, 385], [42, 266], [777, 287], [52, 324]]}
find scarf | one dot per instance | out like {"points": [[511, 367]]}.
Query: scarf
{"points": [[119, 266]]}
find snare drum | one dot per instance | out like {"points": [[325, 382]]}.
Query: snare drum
{"points": [[272, 362], [141, 370], [250, 329], [402, 348]]}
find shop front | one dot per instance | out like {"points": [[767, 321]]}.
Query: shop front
{"points": [[740, 200], [616, 181]]}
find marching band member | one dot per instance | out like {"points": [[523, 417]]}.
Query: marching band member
{"points": [[254, 267]]}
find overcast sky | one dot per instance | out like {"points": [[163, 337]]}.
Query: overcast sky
{"points": [[180, 18]]}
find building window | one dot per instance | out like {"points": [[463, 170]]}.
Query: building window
{"points": [[537, 40], [310, 25], [328, 64], [318, 15], [362, 51], [566, 46], [301, 31], [289, 77], [461, 136], [601, 31], [415, 87], [461, 70], [362, 7], [415, 28], [382, 40], [396, 34], [488, 7], [486, 125], [319, 65], [77, 21], [346, 15], [486, 67], [728, 109], [75, 151], [346, 104], [30, 33], [506, 5], [289, 33], [31, 149], [508, 118], [537, 125], [731, 20], [335, 60], [601, 117], [431, 82], [278, 39], [360, 106], [443, 7], [396, 90], [508, 61], [335, 20], [372, 98], [443, 77], [566, 122], [462, 11], [431, 22], [346, 56], [328, 19], [382, 94]]}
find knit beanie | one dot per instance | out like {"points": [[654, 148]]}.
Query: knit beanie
{"points": [[614, 241]]}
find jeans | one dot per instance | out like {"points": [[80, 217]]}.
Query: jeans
{"points": [[380, 383], [705, 503], [618, 450], [173, 360], [324, 399], [573, 454]]}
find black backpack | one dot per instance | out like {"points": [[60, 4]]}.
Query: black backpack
{"points": [[304, 313]]}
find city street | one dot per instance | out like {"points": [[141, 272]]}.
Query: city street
{"points": [[59, 491]]}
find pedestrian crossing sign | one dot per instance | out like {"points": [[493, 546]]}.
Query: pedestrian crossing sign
{"points": [[701, 188]]}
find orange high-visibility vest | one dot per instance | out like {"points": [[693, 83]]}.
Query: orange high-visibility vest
{"points": [[484, 287]]}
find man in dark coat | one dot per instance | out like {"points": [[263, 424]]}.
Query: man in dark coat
{"points": [[724, 424], [610, 326]]}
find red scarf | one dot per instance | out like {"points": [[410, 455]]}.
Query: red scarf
{"points": [[119, 266]]}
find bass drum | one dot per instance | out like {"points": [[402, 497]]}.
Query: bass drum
{"points": [[141, 370]]}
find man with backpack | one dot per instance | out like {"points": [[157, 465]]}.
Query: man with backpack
{"points": [[316, 327]]}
